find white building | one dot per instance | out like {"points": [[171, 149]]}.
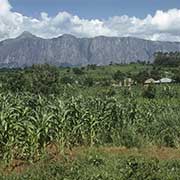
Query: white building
{"points": [[165, 80]]}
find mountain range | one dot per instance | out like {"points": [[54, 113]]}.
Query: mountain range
{"points": [[67, 50]]}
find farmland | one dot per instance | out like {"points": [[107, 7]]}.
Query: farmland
{"points": [[69, 108]]}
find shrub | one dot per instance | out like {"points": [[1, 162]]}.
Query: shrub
{"points": [[78, 71], [149, 92]]}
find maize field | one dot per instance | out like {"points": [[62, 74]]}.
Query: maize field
{"points": [[29, 123]]}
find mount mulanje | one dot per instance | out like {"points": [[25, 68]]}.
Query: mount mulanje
{"points": [[67, 50]]}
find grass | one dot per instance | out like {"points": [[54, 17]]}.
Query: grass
{"points": [[101, 163]]}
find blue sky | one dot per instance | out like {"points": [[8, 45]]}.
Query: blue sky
{"points": [[94, 8], [146, 19]]}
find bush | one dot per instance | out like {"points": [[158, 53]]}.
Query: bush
{"points": [[119, 76], [38, 79], [88, 81], [78, 71], [149, 92], [67, 80]]}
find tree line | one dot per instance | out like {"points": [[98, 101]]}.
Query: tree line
{"points": [[167, 58]]}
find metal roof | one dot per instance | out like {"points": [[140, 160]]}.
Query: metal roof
{"points": [[166, 80]]}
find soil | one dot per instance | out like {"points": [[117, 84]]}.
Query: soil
{"points": [[161, 153]]}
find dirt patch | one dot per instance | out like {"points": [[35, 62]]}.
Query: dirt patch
{"points": [[161, 153], [115, 150], [54, 155], [17, 166]]}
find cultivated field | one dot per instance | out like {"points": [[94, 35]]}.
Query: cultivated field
{"points": [[82, 123]]}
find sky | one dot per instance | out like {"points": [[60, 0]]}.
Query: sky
{"points": [[147, 19], [101, 9]]}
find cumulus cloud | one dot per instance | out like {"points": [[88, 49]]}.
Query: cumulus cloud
{"points": [[164, 26], [4, 6]]}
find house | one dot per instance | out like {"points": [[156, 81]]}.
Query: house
{"points": [[117, 85], [166, 80], [161, 81], [150, 81], [128, 82], [157, 82]]}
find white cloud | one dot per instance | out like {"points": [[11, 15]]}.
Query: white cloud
{"points": [[4, 6], [161, 26]]}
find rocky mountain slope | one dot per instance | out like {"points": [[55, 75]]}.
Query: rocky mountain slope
{"points": [[68, 50]]}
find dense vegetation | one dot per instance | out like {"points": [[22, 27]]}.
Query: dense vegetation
{"points": [[89, 106], [29, 123], [95, 165], [46, 79], [167, 59]]}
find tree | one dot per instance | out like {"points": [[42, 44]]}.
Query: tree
{"points": [[142, 76], [167, 59], [88, 81], [119, 76], [155, 73], [91, 67], [44, 79], [78, 71], [67, 80], [176, 76], [15, 81]]}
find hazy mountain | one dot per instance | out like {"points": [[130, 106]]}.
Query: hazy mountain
{"points": [[68, 50]]}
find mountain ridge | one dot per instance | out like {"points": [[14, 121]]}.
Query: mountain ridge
{"points": [[68, 50]]}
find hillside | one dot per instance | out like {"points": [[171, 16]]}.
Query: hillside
{"points": [[67, 50]]}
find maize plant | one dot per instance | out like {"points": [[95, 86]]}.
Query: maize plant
{"points": [[29, 123]]}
